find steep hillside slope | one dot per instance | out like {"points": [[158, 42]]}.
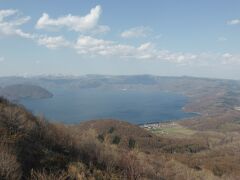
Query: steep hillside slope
{"points": [[32, 148]]}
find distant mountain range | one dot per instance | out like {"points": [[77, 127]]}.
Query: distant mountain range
{"points": [[206, 96]]}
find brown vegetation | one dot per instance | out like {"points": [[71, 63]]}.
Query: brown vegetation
{"points": [[33, 148]]}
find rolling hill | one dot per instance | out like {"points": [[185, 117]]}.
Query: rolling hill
{"points": [[33, 148], [21, 91]]}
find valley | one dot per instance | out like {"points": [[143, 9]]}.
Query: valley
{"points": [[205, 146]]}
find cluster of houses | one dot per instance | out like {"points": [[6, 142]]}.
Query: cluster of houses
{"points": [[157, 125], [237, 108]]}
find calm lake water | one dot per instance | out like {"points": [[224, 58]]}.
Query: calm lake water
{"points": [[133, 106]]}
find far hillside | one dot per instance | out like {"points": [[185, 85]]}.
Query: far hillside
{"points": [[21, 91]]}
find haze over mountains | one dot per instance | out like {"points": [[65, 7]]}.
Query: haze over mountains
{"points": [[205, 96], [216, 94]]}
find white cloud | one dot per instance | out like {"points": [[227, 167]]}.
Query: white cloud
{"points": [[227, 55], [7, 12], [136, 32], [13, 22], [53, 42], [94, 47], [22, 34], [98, 47], [74, 23], [214, 59], [177, 57], [102, 29], [234, 22], [228, 58], [90, 46], [11, 26]]}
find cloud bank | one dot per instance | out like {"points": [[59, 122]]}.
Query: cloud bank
{"points": [[12, 25], [136, 32], [53, 42], [88, 44], [73, 23]]}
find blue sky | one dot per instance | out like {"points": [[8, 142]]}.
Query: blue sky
{"points": [[162, 37]]}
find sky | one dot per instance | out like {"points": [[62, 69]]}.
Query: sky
{"points": [[158, 37]]}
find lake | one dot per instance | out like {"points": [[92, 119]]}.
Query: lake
{"points": [[136, 107]]}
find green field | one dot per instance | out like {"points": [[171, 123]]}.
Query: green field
{"points": [[175, 130]]}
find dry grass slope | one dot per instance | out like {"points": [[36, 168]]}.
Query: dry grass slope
{"points": [[33, 148]]}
